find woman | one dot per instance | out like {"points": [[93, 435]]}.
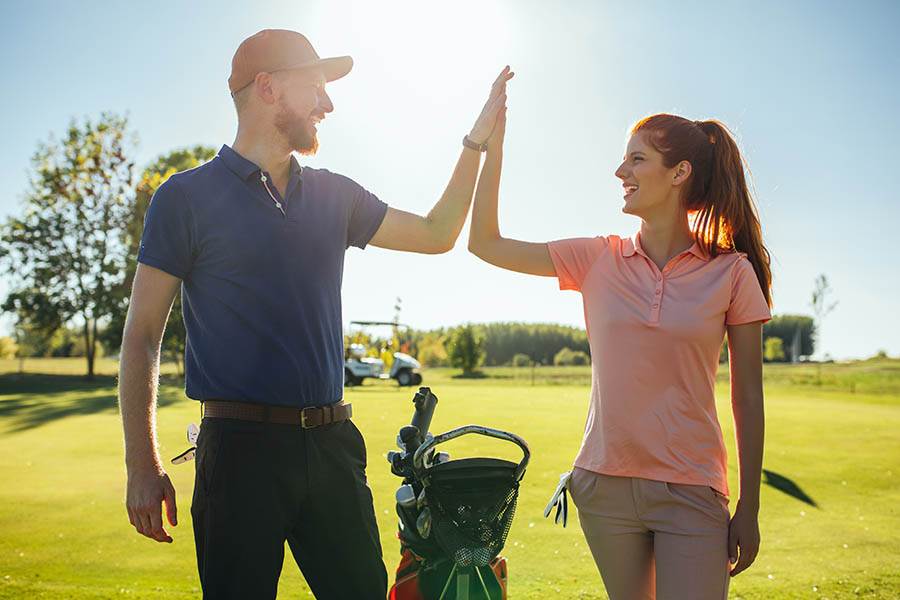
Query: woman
{"points": [[650, 480]]}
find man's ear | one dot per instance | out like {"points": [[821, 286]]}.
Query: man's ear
{"points": [[264, 87], [683, 171]]}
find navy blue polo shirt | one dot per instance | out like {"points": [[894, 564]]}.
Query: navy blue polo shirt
{"points": [[261, 289]]}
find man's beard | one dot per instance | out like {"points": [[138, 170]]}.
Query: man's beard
{"points": [[296, 131]]}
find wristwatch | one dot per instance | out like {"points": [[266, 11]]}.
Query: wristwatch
{"points": [[468, 143]]}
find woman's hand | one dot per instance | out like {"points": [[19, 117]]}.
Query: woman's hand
{"points": [[485, 240], [495, 142], [743, 535], [496, 102]]}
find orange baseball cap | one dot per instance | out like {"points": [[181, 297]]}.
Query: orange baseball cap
{"points": [[279, 49]]}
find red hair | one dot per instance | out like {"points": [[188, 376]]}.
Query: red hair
{"points": [[716, 194]]}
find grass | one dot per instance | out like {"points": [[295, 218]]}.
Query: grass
{"points": [[831, 438]]}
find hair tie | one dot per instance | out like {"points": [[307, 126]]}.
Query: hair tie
{"points": [[709, 136]]}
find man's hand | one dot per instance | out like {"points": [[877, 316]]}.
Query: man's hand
{"points": [[496, 102], [148, 488], [743, 535]]}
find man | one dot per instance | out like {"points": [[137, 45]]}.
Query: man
{"points": [[256, 243]]}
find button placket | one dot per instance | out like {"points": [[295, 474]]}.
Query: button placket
{"points": [[656, 299], [264, 180]]}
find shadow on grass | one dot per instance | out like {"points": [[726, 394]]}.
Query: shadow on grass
{"points": [[472, 375], [786, 485], [33, 399]]}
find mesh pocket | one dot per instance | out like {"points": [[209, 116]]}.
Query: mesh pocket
{"points": [[472, 513]]}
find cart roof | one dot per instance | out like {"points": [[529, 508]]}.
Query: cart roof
{"points": [[391, 323]]}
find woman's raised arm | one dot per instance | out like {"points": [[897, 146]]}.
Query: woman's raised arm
{"points": [[485, 240]]}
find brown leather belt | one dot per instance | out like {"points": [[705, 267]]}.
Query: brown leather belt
{"points": [[306, 418]]}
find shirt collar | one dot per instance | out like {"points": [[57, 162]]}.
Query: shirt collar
{"points": [[244, 168], [632, 246]]}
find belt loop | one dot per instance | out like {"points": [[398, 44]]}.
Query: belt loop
{"points": [[331, 413], [266, 413]]}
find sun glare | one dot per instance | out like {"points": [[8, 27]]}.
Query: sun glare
{"points": [[416, 44]]}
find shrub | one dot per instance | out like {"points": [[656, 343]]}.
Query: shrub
{"points": [[774, 349], [8, 347], [433, 355], [521, 360], [567, 356]]}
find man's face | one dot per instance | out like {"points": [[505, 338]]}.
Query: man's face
{"points": [[302, 104]]}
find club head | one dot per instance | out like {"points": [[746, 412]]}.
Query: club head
{"points": [[185, 456], [423, 523], [406, 496], [193, 432]]}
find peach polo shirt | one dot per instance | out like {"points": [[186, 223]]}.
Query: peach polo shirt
{"points": [[655, 338]]}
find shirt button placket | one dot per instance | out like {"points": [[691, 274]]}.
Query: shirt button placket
{"points": [[656, 301]]}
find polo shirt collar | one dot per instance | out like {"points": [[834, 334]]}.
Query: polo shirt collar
{"points": [[244, 168], [632, 246]]}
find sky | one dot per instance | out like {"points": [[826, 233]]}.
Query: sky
{"points": [[808, 88]]}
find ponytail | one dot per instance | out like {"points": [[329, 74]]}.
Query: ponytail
{"points": [[724, 213], [728, 202]]}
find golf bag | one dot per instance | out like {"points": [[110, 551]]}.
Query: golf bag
{"points": [[454, 514]]}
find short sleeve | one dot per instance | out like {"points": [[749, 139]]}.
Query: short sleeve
{"points": [[366, 214], [748, 304], [167, 241], [573, 258]]}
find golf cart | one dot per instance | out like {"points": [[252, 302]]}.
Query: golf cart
{"points": [[358, 366]]}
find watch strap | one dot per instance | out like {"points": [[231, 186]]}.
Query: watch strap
{"points": [[468, 143]]}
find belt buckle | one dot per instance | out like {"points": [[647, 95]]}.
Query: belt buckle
{"points": [[303, 414]]}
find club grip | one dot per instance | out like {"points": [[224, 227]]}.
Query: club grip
{"points": [[425, 403]]}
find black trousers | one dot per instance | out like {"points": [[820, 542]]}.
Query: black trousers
{"points": [[259, 484]]}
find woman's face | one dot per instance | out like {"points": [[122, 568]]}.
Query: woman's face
{"points": [[647, 182]]}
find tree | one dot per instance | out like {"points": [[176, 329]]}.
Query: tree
{"points": [[774, 350], [65, 253], [787, 327], [25, 343], [29, 342], [821, 306], [431, 351], [175, 338], [465, 347], [36, 325]]}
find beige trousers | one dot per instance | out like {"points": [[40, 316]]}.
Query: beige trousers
{"points": [[652, 539]]}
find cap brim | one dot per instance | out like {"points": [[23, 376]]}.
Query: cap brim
{"points": [[335, 68], [332, 68]]}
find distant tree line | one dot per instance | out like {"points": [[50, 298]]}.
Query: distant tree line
{"points": [[474, 345], [513, 344]]}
